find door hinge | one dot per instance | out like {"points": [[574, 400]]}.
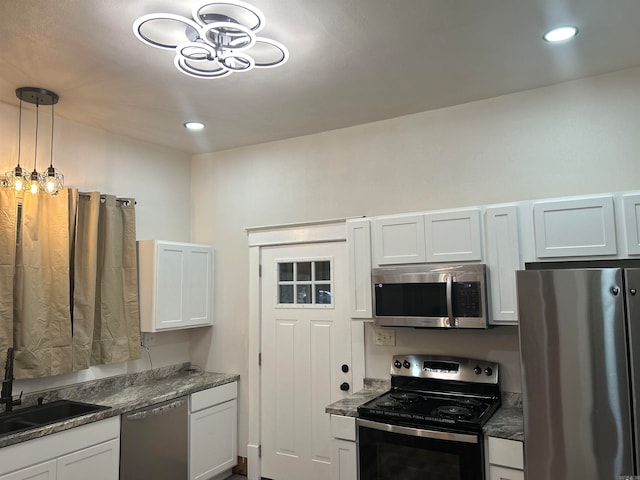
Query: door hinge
{"points": [[259, 359], [260, 270], [259, 451]]}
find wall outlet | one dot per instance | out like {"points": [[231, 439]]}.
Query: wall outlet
{"points": [[148, 339], [385, 337]]}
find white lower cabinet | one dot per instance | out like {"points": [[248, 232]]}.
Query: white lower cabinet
{"points": [[42, 471], [89, 451], [213, 430], [344, 453], [97, 463], [506, 459]]}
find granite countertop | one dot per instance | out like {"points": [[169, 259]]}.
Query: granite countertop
{"points": [[506, 423], [123, 394]]}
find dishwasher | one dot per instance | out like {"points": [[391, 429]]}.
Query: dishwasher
{"points": [[154, 442]]}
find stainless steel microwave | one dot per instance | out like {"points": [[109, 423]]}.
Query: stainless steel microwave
{"points": [[430, 296]]}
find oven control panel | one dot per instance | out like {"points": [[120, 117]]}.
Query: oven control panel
{"points": [[445, 368]]}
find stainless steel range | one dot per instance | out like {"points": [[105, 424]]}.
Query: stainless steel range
{"points": [[429, 425]]}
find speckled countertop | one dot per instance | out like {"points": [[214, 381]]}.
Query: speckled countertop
{"points": [[506, 423], [123, 394]]}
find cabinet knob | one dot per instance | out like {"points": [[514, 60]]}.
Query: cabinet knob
{"points": [[345, 367], [344, 386]]}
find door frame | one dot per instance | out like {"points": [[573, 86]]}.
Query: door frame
{"points": [[282, 235]]}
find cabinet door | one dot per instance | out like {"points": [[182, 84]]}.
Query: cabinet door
{"points": [[502, 473], [632, 223], [170, 286], [198, 279], [100, 462], [344, 461], [359, 256], [503, 259], [176, 285], [576, 227], [399, 239], [506, 453], [42, 471], [453, 236], [212, 443]]}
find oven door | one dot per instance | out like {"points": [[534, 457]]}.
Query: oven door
{"points": [[393, 452]]}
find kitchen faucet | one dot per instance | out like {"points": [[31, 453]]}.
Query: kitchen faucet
{"points": [[6, 396]]}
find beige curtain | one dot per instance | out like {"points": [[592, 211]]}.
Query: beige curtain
{"points": [[116, 326], [42, 327], [69, 289], [7, 267]]}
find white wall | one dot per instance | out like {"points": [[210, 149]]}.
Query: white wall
{"points": [[575, 138], [91, 159]]}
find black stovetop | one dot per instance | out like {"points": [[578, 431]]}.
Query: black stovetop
{"points": [[423, 409], [449, 394]]}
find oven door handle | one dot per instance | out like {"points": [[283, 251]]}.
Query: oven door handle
{"points": [[418, 432]]}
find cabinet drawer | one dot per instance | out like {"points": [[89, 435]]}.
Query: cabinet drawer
{"points": [[501, 473], [343, 427], [507, 453], [213, 396]]}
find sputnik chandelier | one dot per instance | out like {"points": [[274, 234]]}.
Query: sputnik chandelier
{"points": [[219, 40]]}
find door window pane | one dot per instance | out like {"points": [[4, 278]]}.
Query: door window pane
{"points": [[304, 271], [323, 293], [303, 294], [323, 270], [285, 272], [285, 294]]}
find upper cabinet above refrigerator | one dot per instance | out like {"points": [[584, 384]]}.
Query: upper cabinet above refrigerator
{"points": [[575, 228]]}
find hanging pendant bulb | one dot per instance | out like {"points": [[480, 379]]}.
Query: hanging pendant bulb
{"points": [[34, 178], [17, 178], [52, 181]]}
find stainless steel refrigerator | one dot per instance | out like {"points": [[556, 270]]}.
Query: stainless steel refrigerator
{"points": [[580, 354]]}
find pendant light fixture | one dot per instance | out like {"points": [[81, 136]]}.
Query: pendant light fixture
{"points": [[20, 179]]}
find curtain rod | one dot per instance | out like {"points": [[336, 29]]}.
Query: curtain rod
{"points": [[126, 201]]}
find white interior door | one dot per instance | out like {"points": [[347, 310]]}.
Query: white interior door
{"points": [[306, 340]]}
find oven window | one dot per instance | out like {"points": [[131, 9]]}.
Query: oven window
{"points": [[392, 456], [411, 300]]}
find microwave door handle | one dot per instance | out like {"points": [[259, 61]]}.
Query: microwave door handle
{"points": [[452, 320]]}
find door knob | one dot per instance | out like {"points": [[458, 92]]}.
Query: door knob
{"points": [[344, 386]]}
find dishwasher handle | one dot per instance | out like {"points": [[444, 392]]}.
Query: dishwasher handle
{"points": [[155, 411]]}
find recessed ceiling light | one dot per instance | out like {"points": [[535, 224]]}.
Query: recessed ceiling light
{"points": [[194, 125], [560, 34]]}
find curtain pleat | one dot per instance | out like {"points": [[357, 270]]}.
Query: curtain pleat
{"points": [[85, 264], [8, 215], [42, 328], [117, 326]]}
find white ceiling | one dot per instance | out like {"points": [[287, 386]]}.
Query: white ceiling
{"points": [[352, 62]]}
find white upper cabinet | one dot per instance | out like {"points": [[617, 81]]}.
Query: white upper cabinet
{"points": [[631, 206], [176, 285], [359, 255], [399, 239], [575, 227], [503, 259], [453, 236]]}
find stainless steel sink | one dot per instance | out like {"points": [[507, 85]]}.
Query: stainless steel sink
{"points": [[45, 414]]}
